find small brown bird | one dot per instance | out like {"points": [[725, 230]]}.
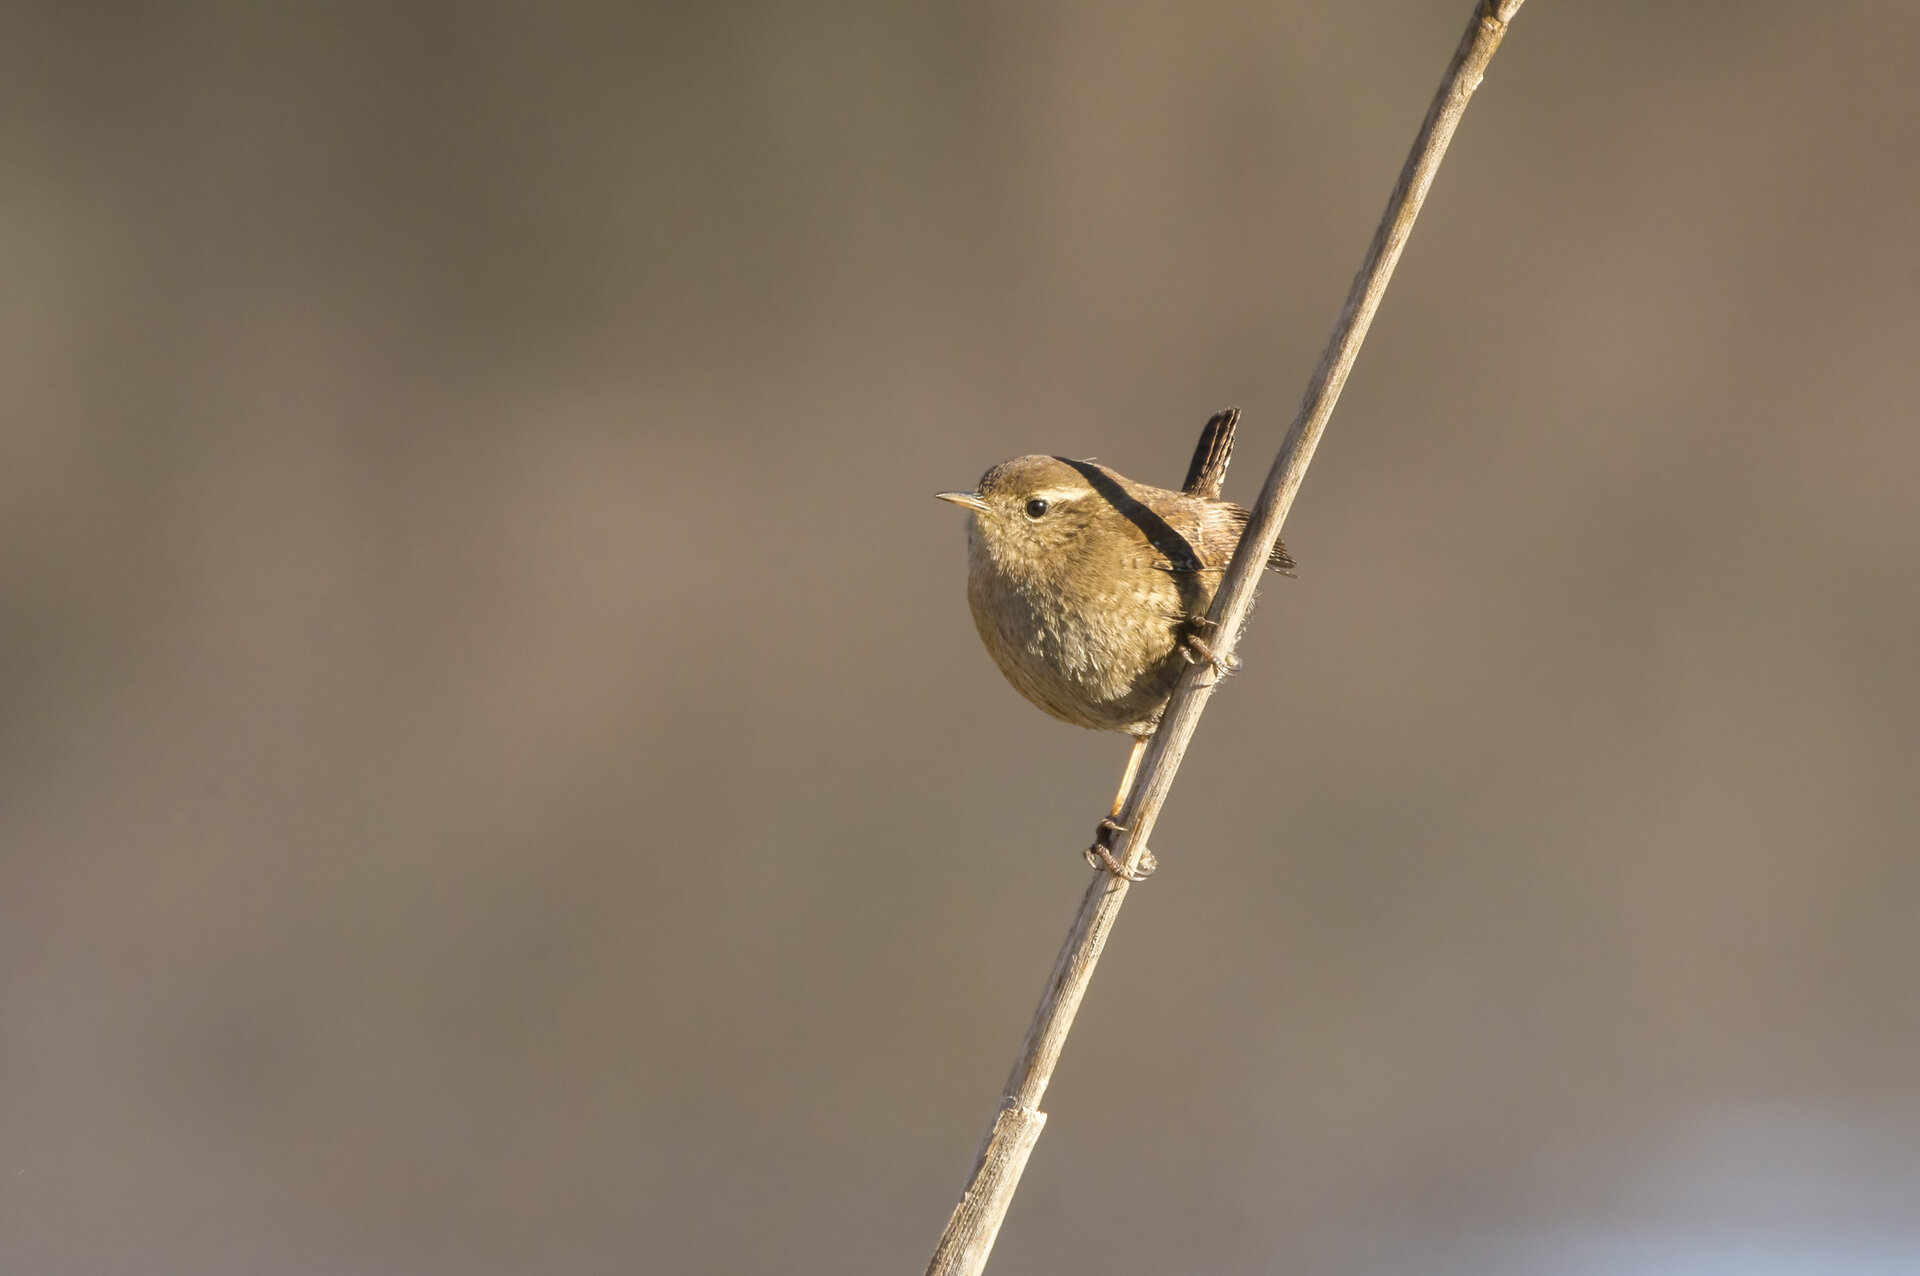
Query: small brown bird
{"points": [[1090, 589]]}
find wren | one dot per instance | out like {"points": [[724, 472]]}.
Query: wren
{"points": [[1090, 590]]}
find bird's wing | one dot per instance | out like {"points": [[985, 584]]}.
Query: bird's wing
{"points": [[1223, 524]]}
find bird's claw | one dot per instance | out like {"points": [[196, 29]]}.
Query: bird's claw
{"points": [[1100, 854], [1196, 650]]}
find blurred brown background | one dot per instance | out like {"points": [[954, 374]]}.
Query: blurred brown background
{"points": [[496, 774]]}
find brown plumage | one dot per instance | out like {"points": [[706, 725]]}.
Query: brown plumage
{"points": [[1088, 588]]}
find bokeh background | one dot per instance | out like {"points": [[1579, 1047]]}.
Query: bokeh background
{"points": [[497, 776]]}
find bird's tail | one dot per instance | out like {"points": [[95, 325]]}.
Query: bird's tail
{"points": [[1208, 472]]}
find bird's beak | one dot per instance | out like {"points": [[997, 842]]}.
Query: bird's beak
{"points": [[969, 499]]}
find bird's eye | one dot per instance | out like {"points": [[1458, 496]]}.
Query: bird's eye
{"points": [[1036, 507]]}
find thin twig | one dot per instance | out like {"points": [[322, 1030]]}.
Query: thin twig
{"points": [[970, 1233]]}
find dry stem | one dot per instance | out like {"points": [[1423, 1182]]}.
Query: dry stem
{"points": [[970, 1233]]}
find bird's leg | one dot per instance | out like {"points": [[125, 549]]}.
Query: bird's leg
{"points": [[1197, 650], [1100, 854]]}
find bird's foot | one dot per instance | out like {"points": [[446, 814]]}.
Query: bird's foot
{"points": [[1196, 650], [1100, 854]]}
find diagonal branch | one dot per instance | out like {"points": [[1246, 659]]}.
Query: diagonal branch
{"points": [[968, 1240]]}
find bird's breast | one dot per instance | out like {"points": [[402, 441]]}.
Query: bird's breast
{"points": [[1096, 648]]}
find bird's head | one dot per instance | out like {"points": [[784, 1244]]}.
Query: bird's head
{"points": [[1034, 508]]}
